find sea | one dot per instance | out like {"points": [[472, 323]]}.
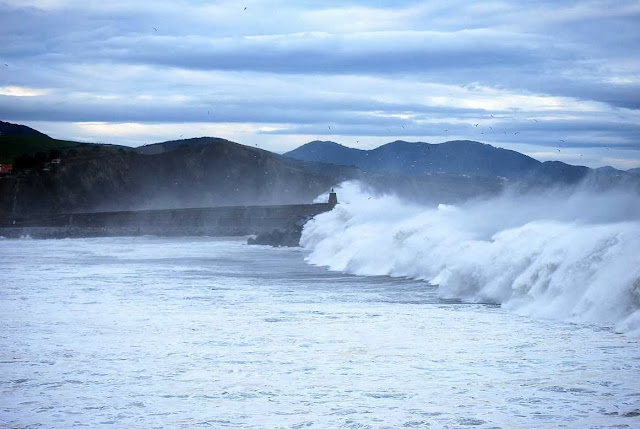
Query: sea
{"points": [[386, 317]]}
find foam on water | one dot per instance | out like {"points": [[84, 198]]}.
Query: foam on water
{"points": [[196, 332], [570, 255]]}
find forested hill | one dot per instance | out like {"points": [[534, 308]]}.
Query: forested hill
{"points": [[196, 173]]}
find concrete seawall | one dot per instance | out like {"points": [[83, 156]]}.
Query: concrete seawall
{"points": [[212, 221]]}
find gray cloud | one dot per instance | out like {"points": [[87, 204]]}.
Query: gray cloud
{"points": [[566, 134], [304, 65], [316, 114]]}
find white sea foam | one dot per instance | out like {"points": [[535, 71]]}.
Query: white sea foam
{"points": [[191, 332], [570, 255]]}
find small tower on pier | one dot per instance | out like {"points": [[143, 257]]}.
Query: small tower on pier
{"points": [[333, 198]]}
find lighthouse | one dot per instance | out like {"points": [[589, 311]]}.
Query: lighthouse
{"points": [[333, 198]]}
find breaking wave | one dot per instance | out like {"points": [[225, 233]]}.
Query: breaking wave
{"points": [[570, 255]]}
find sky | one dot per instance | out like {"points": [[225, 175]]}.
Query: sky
{"points": [[556, 80]]}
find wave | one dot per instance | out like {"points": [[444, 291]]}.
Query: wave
{"points": [[571, 255]]}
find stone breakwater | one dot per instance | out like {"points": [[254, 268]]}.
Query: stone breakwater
{"points": [[210, 221]]}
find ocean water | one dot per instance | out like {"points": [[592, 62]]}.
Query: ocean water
{"points": [[200, 332], [568, 254]]}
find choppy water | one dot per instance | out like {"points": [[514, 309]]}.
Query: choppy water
{"points": [[188, 332]]}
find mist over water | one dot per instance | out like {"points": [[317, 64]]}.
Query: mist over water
{"points": [[565, 254]]}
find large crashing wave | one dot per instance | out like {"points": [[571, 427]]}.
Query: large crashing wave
{"points": [[568, 255]]}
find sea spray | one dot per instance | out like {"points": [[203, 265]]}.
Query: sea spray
{"points": [[567, 254]]}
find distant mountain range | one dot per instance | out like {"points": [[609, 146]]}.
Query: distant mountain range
{"points": [[452, 157], [463, 157], [58, 176]]}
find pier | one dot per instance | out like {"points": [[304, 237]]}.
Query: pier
{"points": [[209, 221]]}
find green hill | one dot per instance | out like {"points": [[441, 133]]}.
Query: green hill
{"points": [[212, 172], [18, 140], [11, 147]]}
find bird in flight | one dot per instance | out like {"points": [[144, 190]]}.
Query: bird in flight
{"points": [[329, 126], [536, 120], [245, 8], [516, 133], [476, 125], [403, 127], [562, 141], [155, 28], [558, 150]]}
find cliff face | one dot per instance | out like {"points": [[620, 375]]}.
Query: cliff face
{"points": [[107, 178]]}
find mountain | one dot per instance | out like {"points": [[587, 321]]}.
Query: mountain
{"points": [[328, 152], [168, 146], [19, 140], [413, 159], [199, 173], [551, 172], [208, 171], [9, 129], [460, 157]]}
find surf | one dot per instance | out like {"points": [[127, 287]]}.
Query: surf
{"points": [[567, 254]]}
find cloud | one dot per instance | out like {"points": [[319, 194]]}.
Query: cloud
{"points": [[283, 69], [20, 91]]}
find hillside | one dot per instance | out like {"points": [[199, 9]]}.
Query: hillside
{"points": [[17, 130], [328, 152], [17, 140], [413, 159], [461, 157], [67, 177], [168, 146], [211, 172]]}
